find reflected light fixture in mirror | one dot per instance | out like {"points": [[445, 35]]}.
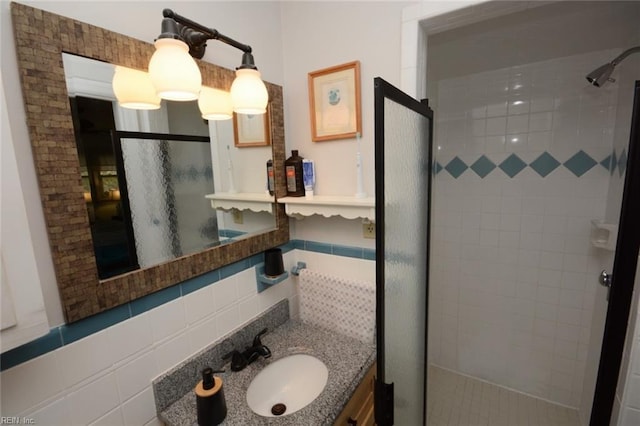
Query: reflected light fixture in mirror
{"points": [[175, 74], [215, 104], [133, 89]]}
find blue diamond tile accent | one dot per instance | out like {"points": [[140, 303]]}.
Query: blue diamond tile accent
{"points": [[456, 167], [483, 166], [606, 163], [614, 162], [437, 168], [512, 165], [622, 163], [544, 164], [580, 163]]}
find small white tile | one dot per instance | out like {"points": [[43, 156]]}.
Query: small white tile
{"points": [[112, 418], [553, 243], [531, 223], [496, 109], [94, 400], [167, 319], [18, 393], [550, 278], [55, 413], [140, 409], [496, 126], [509, 239], [518, 124], [247, 286], [540, 122], [227, 320], [572, 316], [203, 334], [570, 298], [225, 293], [171, 352], [633, 391], [573, 280], [568, 332], [248, 309], [550, 260], [84, 358], [510, 222], [565, 349], [630, 417], [136, 375], [575, 262], [199, 304], [548, 295], [129, 337]]}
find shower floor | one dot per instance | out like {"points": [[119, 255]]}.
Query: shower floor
{"points": [[454, 399]]}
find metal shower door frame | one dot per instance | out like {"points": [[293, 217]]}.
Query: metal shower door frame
{"points": [[622, 284], [383, 392]]}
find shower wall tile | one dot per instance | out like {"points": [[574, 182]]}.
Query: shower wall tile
{"points": [[511, 273]]}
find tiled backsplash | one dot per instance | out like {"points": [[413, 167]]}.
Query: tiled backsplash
{"points": [[524, 156]]}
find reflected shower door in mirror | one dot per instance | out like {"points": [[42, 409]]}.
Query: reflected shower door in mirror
{"points": [[146, 173]]}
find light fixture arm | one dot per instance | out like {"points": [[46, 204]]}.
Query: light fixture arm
{"points": [[196, 35]]}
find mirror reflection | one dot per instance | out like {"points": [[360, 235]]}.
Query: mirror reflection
{"points": [[146, 175]]}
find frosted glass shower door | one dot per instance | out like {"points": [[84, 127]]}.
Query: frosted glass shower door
{"points": [[403, 181]]}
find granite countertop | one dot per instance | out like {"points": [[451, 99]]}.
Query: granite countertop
{"points": [[347, 360]]}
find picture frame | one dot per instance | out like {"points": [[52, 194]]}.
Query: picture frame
{"points": [[334, 102], [252, 130]]}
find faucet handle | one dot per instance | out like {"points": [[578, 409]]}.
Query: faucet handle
{"points": [[256, 340], [238, 362]]}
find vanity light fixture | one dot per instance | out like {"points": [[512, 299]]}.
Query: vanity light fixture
{"points": [[176, 76]]}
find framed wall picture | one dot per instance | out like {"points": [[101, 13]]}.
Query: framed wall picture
{"points": [[334, 102], [252, 130]]}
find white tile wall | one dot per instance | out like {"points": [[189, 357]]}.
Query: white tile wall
{"points": [[512, 269], [105, 378]]}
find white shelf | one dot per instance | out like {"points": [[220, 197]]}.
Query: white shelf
{"points": [[604, 235], [327, 206], [256, 202]]}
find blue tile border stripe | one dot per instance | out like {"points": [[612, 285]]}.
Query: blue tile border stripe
{"points": [[69, 333], [578, 164]]}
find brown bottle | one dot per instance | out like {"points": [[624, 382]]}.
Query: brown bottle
{"points": [[271, 183], [293, 173]]}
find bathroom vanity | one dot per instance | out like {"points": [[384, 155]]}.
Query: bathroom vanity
{"points": [[348, 361]]}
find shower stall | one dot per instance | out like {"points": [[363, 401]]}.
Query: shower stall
{"points": [[530, 160]]}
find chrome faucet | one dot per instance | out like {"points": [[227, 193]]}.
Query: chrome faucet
{"points": [[239, 360]]}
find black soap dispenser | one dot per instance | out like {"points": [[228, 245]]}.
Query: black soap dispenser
{"points": [[293, 171], [210, 403]]}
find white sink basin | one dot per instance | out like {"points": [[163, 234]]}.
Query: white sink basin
{"points": [[294, 381]]}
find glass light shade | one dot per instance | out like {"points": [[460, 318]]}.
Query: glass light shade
{"points": [[248, 92], [215, 104], [174, 73], [133, 89]]}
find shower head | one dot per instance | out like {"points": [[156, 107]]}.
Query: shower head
{"points": [[602, 74]]}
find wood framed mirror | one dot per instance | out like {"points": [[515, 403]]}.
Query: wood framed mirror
{"points": [[41, 38]]}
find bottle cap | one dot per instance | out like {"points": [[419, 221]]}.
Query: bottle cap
{"points": [[308, 194]]}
